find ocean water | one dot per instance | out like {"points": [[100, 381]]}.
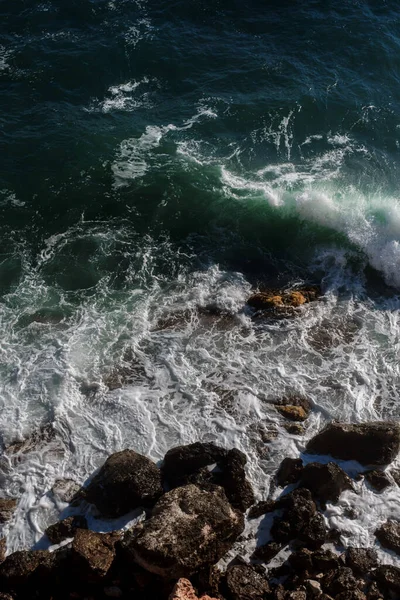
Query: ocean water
{"points": [[159, 159]]}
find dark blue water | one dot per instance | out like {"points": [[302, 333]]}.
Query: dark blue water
{"points": [[157, 157]]}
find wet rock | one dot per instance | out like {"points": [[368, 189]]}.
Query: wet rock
{"points": [[126, 481], [293, 413], [36, 440], [65, 529], [7, 508], [300, 520], [189, 529], [395, 473], [389, 535], [93, 553], [289, 471], [3, 549], [341, 581], [183, 461], [261, 508], [375, 443], [64, 490], [389, 577], [313, 588], [24, 567], [243, 582], [378, 480], [233, 479], [273, 300], [325, 481], [267, 552], [361, 560], [294, 428]]}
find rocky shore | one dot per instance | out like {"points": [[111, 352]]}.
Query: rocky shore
{"points": [[195, 506]]}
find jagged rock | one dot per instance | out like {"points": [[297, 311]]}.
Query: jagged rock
{"points": [[65, 528], [93, 553], [189, 529], [267, 551], [23, 567], [64, 490], [182, 461], [233, 479], [374, 593], [273, 300], [184, 590], [293, 413], [37, 439], [261, 508], [375, 443], [341, 580], [361, 560], [126, 481], [289, 471], [188, 464], [7, 508], [325, 482], [378, 480], [300, 520], [389, 577], [245, 583], [296, 595], [389, 535]]}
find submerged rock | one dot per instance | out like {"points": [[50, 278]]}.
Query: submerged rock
{"points": [[325, 482], [65, 529], [389, 535], [7, 508], [189, 529], [126, 481], [375, 443], [64, 490]]}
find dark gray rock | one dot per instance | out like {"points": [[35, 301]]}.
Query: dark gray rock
{"points": [[375, 443], [261, 508], [183, 461], [234, 481], [266, 552], [243, 582], [388, 577], [378, 480], [361, 560], [189, 529], [389, 535], [289, 471], [341, 581], [126, 481], [65, 529], [325, 482]]}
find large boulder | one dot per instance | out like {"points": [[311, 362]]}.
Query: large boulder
{"points": [[25, 568], [92, 553], [389, 535], [189, 529], [126, 481], [325, 482], [191, 464], [375, 443], [289, 471]]}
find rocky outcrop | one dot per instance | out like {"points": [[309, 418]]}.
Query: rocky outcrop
{"points": [[389, 535], [65, 529], [325, 481], [189, 529], [126, 481], [192, 463], [376, 443]]}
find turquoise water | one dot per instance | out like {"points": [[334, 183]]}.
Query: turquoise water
{"points": [[161, 157]]}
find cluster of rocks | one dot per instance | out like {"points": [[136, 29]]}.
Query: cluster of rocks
{"points": [[195, 510]]}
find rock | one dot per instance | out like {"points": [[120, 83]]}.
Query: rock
{"points": [[21, 568], [395, 473], [184, 590], [65, 528], [289, 471], [300, 520], [126, 481], [361, 560], [36, 440], [189, 529], [341, 581], [325, 482], [313, 588], [245, 583], [3, 549], [92, 553], [183, 461], [7, 508], [294, 428], [378, 480], [297, 595], [375, 443], [188, 464], [273, 300], [233, 479], [389, 535], [293, 413], [351, 595], [389, 577], [64, 490], [374, 593], [113, 591], [267, 551], [261, 508]]}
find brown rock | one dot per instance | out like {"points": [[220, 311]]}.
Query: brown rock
{"points": [[293, 413], [126, 481], [389, 535], [389, 577], [244, 582], [261, 508], [7, 508], [325, 481], [395, 473], [375, 443], [93, 553], [351, 595], [267, 552], [3, 549], [378, 480], [189, 529], [342, 581], [233, 479], [294, 428], [23, 567], [184, 590], [374, 593], [65, 528], [289, 471], [361, 560]]}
